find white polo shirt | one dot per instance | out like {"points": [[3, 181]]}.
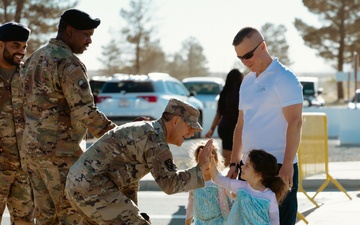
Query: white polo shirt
{"points": [[262, 99]]}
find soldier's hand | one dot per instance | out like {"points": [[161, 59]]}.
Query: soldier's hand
{"points": [[205, 155]]}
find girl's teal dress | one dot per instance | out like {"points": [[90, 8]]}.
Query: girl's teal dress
{"points": [[209, 205]]}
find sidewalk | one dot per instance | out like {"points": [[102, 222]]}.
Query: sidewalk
{"points": [[335, 207]]}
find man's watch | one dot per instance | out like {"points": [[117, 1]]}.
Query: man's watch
{"points": [[237, 165]]}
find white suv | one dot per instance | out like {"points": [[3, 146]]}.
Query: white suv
{"points": [[125, 97]]}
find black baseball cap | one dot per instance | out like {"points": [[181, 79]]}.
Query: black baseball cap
{"points": [[79, 20]]}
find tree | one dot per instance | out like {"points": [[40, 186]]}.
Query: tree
{"points": [[276, 42], [153, 59], [175, 66], [194, 59], [141, 53], [138, 34], [339, 36], [112, 62], [189, 61], [41, 16]]}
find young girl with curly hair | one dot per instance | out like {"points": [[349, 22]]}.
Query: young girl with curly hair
{"points": [[258, 194]]}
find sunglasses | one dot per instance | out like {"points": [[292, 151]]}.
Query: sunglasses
{"points": [[250, 54]]}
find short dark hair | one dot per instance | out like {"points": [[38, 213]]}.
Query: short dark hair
{"points": [[244, 32]]}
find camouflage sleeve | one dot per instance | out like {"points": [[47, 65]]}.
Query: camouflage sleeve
{"points": [[172, 181], [77, 91], [18, 102], [19, 116]]}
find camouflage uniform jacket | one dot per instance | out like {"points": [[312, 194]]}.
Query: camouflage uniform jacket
{"points": [[58, 103], [11, 122], [126, 154]]}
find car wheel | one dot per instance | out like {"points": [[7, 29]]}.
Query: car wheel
{"points": [[200, 119]]}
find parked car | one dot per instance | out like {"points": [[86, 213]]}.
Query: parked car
{"points": [[311, 91], [354, 103], [207, 90], [125, 97], [96, 83]]}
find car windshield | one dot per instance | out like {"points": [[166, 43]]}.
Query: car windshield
{"points": [[308, 88], [177, 88], [96, 85], [127, 87], [203, 88]]}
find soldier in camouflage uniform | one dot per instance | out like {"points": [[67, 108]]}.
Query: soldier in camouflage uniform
{"points": [[15, 189], [59, 109], [121, 157]]}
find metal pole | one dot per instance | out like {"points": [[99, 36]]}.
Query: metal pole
{"points": [[355, 76], [348, 86]]}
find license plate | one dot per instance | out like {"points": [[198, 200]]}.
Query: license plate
{"points": [[124, 103]]}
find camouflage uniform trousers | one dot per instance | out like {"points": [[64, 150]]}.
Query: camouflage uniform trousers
{"points": [[48, 177], [110, 207], [15, 192]]}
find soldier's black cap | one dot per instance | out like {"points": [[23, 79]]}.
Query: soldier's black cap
{"points": [[79, 20], [13, 31]]}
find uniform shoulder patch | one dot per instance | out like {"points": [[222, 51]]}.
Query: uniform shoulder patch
{"points": [[75, 73], [78, 76], [83, 84], [167, 159]]}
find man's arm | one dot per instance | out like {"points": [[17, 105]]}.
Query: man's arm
{"points": [[215, 122], [236, 154], [172, 181], [293, 116]]}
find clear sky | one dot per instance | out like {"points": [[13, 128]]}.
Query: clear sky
{"points": [[213, 23]]}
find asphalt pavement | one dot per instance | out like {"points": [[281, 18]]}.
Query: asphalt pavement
{"points": [[334, 206]]}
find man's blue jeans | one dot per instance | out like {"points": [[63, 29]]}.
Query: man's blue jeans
{"points": [[289, 207]]}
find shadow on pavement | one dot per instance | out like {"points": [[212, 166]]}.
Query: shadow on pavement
{"points": [[178, 216]]}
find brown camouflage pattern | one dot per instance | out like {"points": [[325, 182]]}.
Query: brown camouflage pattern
{"points": [[15, 189], [186, 111], [59, 109], [119, 159]]}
